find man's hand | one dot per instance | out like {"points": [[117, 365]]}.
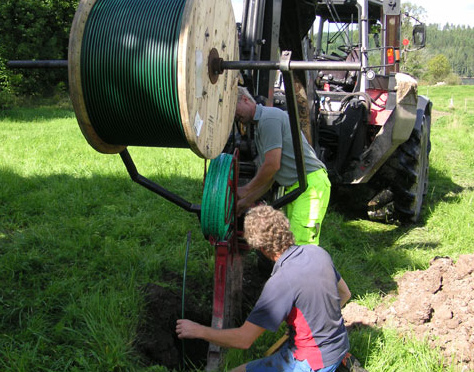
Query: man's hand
{"points": [[248, 194], [243, 203], [188, 329]]}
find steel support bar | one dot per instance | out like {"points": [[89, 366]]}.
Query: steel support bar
{"points": [[57, 63], [222, 65], [293, 65], [157, 189], [295, 133]]}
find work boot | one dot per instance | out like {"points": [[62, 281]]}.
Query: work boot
{"points": [[350, 364]]}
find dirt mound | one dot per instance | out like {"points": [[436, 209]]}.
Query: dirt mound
{"points": [[436, 304]]}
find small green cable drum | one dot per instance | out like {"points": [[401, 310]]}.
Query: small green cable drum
{"points": [[218, 198], [138, 72]]}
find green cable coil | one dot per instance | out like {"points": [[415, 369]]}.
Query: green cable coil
{"points": [[129, 75], [218, 198], [141, 73]]}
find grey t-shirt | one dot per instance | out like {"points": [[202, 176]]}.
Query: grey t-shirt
{"points": [[273, 131]]}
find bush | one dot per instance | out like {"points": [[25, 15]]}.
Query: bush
{"points": [[453, 79], [6, 96], [33, 29]]}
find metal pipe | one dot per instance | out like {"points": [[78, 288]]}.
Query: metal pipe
{"points": [[294, 65], [55, 63], [364, 31]]}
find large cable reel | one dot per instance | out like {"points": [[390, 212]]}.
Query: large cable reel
{"points": [[140, 75]]}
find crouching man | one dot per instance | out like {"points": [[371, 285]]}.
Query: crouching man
{"points": [[305, 290]]}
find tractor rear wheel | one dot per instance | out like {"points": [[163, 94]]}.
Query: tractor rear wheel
{"points": [[402, 182], [405, 177], [411, 184]]}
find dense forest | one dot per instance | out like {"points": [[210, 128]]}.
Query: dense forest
{"points": [[456, 43], [39, 29]]}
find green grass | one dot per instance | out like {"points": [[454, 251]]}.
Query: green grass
{"points": [[78, 238]]}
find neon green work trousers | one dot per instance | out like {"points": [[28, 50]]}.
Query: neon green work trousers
{"points": [[306, 213]]}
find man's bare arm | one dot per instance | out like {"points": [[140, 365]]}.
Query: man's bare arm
{"points": [[239, 338], [344, 292], [262, 181]]}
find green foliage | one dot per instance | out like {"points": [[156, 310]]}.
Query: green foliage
{"points": [[35, 29], [438, 68], [452, 79], [456, 43], [6, 96], [389, 351]]}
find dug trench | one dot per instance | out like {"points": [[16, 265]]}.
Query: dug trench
{"points": [[157, 343], [436, 304]]}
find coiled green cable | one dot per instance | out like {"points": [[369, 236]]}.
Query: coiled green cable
{"points": [[218, 198], [129, 71]]}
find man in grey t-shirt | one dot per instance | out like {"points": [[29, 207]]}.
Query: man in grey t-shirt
{"points": [[276, 163]]}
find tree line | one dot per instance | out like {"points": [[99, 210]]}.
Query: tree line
{"points": [[39, 29], [457, 44]]}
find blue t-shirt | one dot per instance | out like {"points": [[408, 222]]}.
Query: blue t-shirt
{"points": [[303, 291]]}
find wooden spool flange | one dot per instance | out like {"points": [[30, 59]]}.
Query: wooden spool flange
{"points": [[206, 100]]}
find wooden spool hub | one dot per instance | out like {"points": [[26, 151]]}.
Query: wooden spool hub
{"points": [[204, 102]]}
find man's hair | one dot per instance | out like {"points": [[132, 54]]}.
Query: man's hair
{"points": [[244, 92], [268, 229]]}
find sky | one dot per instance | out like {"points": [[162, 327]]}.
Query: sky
{"points": [[457, 12]]}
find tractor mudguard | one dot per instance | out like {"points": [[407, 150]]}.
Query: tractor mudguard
{"points": [[406, 108], [423, 108]]}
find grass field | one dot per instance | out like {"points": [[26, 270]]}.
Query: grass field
{"points": [[78, 239]]}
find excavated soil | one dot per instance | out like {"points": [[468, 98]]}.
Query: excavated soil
{"points": [[436, 304], [157, 342]]}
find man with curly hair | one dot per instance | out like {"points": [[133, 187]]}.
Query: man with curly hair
{"points": [[305, 290], [276, 163]]}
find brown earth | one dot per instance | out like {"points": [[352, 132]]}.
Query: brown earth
{"points": [[436, 304], [156, 341]]}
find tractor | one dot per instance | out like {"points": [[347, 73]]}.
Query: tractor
{"points": [[362, 115]]}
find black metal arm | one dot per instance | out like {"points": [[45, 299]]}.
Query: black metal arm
{"points": [[157, 189]]}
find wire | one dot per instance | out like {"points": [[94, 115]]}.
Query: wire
{"points": [[188, 242]]}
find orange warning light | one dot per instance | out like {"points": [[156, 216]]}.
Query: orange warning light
{"points": [[390, 56]]}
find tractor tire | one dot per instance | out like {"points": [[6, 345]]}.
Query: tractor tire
{"points": [[411, 185], [406, 175]]}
